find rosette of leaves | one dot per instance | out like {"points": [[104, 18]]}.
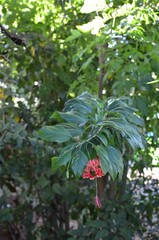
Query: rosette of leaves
{"points": [[89, 127]]}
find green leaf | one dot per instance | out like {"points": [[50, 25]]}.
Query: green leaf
{"points": [[54, 163], [74, 35], [73, 117], [102, 138], [96, 224], [78, 105], [118, 123], [111, 160], [57, 162], [93, 6], [64, 158], [135, 119], [85, 64], [101, 234], [54, 134], [142, 104], [94, 26], [79, 162], [73, 129], [128, 131], [86, 97], [56, 116]]}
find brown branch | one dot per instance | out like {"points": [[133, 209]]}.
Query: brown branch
{"points": [[102, 53], [101, 182], [16, 39]]}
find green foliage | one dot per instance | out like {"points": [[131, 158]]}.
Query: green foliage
{"points": [[118, 221], [55, 134], [61, 60], [111, 160], [93, 127]]}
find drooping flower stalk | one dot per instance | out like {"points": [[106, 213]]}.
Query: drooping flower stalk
{"points": [[98, 202]]}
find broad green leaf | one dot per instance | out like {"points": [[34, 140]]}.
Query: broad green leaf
{"points": [[73, 129], [56, 116], [89, 99], [121, 107], [104, 159], [127, 130], [79, 162], [135, 119], [102, 138], [118, 123], [135, 141], [54, 134], [116, 158], [64, 158], [111, 160], [73, 117], [130, 116], [78, 105], [57, 162]]}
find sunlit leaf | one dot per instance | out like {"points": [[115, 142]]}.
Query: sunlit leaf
{"points": [[94, 26], [93, 6]]}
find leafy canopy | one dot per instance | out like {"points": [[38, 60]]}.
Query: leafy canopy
{"points": [[89, 126]]}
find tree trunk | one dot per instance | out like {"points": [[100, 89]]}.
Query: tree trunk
{"points": [[101, 182]]}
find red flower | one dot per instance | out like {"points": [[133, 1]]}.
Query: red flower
{"points": [[93, 169]]}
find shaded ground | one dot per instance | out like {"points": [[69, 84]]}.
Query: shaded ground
{"points": [[146, 195]]}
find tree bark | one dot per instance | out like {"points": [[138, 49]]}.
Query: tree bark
{"points": [[101, 182]]}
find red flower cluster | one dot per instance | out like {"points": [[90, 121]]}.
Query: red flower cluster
{"points": [[93, 169]]}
